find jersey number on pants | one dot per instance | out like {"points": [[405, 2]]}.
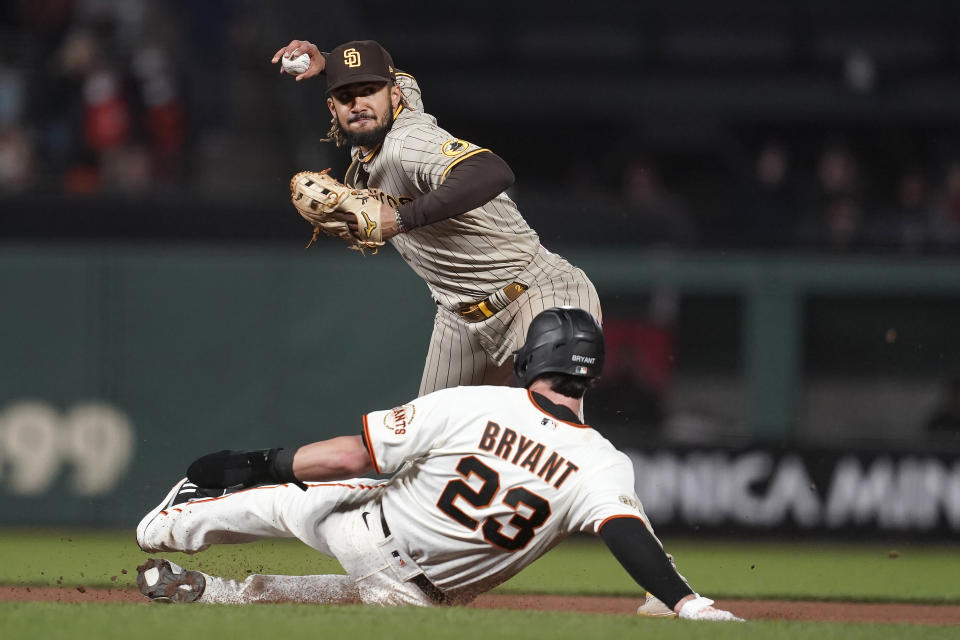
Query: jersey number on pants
{"points": [[525, 527]]}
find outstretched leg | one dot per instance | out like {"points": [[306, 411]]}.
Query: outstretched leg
{"points": [[333, 518], [267, 511], [322, 589], [165, 581]]}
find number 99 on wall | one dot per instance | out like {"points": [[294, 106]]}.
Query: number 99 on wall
{"points": [[93, 441]]}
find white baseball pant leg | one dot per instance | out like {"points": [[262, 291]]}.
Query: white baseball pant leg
{"points": [[328, 517]]}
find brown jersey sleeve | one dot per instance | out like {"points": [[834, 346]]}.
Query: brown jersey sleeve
{"points": [[641, 555], [471, 183]]}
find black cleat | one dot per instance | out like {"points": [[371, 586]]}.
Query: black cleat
{"points": [[181, 493]]}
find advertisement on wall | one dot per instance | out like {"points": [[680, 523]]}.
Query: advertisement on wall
{"points": [[834, 493]]}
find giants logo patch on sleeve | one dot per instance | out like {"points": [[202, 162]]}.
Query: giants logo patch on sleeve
{"points": [[399, 419]]}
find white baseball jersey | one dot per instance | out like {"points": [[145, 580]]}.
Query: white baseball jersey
{"points": [[488, 482]]}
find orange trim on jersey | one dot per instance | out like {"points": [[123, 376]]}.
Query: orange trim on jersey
{"points": [[620, 516], [366, 438], [572, 424], [364, 487], [201, 500], [459, 160]]}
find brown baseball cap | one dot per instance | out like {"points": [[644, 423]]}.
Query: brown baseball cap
{"points": [[358, 61]]}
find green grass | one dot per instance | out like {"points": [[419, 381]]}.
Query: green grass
{"points": [[109, 558], [862, 572], [289, 622], [721, 570]]}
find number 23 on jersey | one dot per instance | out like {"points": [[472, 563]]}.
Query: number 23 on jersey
{"points": [[491, 527]]}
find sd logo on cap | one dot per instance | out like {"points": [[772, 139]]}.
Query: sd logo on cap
{"points": [[358, 61]]}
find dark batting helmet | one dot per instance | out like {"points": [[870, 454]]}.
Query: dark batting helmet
{"points": [[560, 340]]}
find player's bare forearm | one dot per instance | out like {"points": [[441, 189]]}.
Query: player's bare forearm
{"points": [[334, 459]]}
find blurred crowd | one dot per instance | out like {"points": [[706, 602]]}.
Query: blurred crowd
{"points": [[96, 95], [91, 98], [840, 206], [832, 203], [105, 96]]}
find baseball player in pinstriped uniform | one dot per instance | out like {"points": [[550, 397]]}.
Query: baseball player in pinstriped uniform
{"points": [[448, 217], [487, 479]]}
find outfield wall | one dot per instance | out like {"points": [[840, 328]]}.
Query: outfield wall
{"points": [[752, 491], [118, 364]]}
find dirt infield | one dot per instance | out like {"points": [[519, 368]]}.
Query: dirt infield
{"points": [[750, 609]]}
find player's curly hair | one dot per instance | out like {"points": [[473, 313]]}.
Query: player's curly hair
{"points": [[336, 135]]}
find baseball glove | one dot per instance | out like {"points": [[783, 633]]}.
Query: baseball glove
{"points": [[319, 199]]}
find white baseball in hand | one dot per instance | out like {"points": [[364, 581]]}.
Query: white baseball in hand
{"points": [[295, 66]]}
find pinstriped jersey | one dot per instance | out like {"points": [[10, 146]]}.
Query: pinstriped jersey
{"points": [[411, 91], [464, 258], [491, 482]]}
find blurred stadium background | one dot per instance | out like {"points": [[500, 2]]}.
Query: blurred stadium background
{"points": [[767, 196]]}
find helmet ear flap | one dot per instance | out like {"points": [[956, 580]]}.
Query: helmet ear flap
{"points": [[520, 362]]}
